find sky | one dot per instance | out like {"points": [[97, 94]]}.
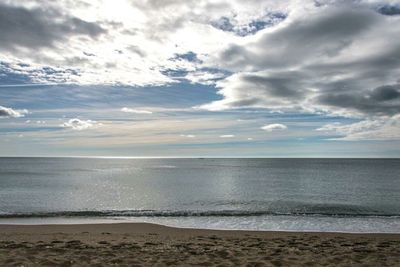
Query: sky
{"points": [[200, 78]]}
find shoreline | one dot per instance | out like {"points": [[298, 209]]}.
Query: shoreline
{"points": [[145, 227], [282, 223], [74, 223], [146, 244]]}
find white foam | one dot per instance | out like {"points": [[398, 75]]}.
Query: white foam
{"points": [[260, 223]]}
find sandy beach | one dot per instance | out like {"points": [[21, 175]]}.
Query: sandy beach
{"points": [[143, 244]]}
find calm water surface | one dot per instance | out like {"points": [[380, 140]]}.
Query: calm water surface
{"points": [[272, 194]]}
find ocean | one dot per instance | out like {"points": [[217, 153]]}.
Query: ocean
{"points": [[334, 195]]}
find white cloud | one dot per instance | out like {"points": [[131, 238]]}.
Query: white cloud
{"points": [[273, 127], [227, 136], [12, 113], [128, 42], [95, 42], [78, 124], [204, 77], [188, 135], [371, 129], [137, 111]]}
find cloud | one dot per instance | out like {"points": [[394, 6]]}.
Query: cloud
{"points": [[37, 28], [231, 25], [330, 30], [389, 10], [137, 111], [189, 56], [274, 127], [383, 100], [262, 90], [227, 136], [77, 124], [370, 129], [12, 113], [337, 59], [132, 43], [206, 76], [188, 135], [153, 42], [322, 57], [65, 42]]}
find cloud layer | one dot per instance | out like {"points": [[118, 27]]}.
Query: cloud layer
{"points": [[377, 129], [335, 58]]}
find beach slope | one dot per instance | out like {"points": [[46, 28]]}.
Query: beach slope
{"points": [[142, 244]]}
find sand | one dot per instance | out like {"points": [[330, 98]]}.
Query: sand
{"points": [[142, 244]]}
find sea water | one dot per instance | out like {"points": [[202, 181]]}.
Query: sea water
{"points": [[335, 195]]}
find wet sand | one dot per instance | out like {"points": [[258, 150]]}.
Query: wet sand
{"points": [[143, 244]]}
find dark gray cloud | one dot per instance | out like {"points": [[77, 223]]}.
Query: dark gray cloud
{"points": [[281, 85], [4, 112], [386, 93], [383, 100], [36, 28], [389, 10]]}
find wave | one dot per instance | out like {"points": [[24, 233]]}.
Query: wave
{"points": [[191, 213]]}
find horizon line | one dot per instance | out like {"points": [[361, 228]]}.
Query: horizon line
{"points": [[195, 157]]}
